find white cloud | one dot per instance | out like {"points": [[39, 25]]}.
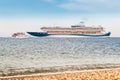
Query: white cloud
{"points": [[75, 6], [87, 5], [93, 1]]}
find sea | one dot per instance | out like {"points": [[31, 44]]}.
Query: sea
{"points": [[21, 56]]}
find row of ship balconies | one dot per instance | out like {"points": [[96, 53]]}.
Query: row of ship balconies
{"points": [[72, 29], [73, 32]]}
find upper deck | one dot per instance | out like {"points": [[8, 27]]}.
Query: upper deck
{"points": [[73, 30]]}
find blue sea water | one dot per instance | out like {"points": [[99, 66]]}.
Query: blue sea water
{"points": [[57, 54]]}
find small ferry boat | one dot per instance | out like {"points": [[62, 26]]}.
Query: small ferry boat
{"points": [[74, 30], [19, 35]]}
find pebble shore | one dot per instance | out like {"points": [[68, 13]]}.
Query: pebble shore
{"points": [[111, 74]]}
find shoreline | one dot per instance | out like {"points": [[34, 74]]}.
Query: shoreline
{"points": [[110, 71], [58, 70]]}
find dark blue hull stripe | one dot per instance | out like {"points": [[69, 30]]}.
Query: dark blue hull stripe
{"points": [[42, 34]]}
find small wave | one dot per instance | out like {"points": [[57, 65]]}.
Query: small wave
{"points": [[27, 71]]}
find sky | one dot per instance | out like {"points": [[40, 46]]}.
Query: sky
{"points": [[31, 15]]}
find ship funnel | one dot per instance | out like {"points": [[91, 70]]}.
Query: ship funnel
{"points": [[82, 24]]}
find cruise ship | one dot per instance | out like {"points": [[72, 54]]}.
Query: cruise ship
{"points": [[74, 30]]}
